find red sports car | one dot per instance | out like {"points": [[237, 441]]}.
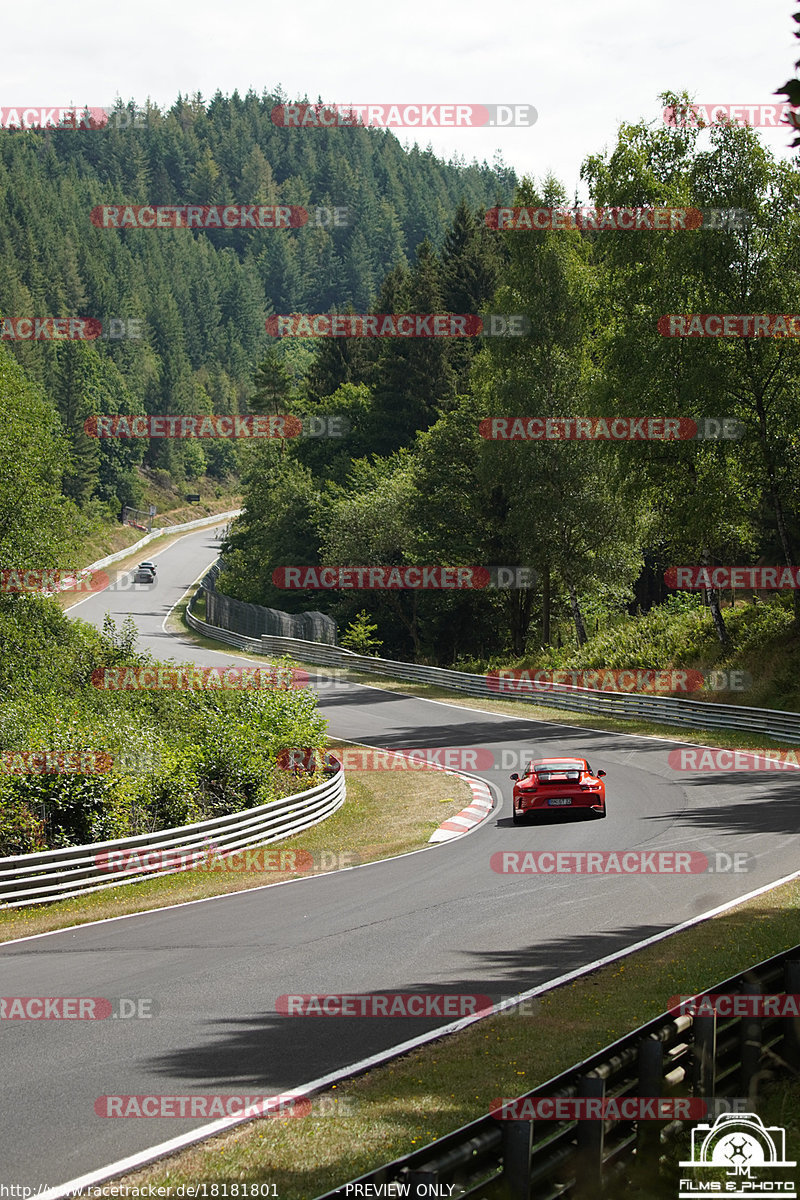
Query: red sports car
{"points": [[558, 783]]}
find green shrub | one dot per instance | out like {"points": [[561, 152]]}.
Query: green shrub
{"points": [[21, 832], [358, 636], [174, 757]]}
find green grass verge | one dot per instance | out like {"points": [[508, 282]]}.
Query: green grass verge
{"points": [[555, 716]]}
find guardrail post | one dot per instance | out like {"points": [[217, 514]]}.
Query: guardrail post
{"points": [[427, 1178], [517, 1150], [750, 1043], [591, 1139], [704, 1066], [651, 1078], [790, 1045]]}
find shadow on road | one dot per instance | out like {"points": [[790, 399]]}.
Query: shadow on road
{"points": [[269, 1050]]}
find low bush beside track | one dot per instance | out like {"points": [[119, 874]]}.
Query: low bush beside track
{"points": [[168, 757]]}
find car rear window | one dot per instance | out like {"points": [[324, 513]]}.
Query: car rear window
{"points": [[557, 768]]}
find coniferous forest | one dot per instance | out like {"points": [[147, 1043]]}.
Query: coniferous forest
{"points": [[201, 297], [413, 481]]}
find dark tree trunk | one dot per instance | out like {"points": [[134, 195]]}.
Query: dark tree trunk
{"points": [[394, 600], [577, 617], [414, 626], [714, 608], [546, 605], [774, 495], [519, 607]]}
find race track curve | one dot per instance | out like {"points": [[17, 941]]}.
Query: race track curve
{"points": [[435, 921]]}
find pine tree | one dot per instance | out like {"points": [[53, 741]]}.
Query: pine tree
{"points": [[76, 391]]}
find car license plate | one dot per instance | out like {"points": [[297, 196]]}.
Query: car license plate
{"points": [[559, 800]]}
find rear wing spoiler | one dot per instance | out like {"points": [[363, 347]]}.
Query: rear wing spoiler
{"points": [[550, 776]]}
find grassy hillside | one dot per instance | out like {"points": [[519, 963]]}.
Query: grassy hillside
{"points": [[680, 634], [159, 758]]}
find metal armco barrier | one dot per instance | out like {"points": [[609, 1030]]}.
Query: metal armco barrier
{"points": [[708, 1057], [74, 871], [213, 519], [625, 706]]}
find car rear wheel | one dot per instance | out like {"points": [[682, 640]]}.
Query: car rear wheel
{"points": [[515, 816]]}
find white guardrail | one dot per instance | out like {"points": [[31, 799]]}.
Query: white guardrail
{"points": [[782, 726], [213, 519], [76, 870]]}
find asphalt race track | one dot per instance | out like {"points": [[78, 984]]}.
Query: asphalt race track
{"points": [[436, 921]]}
